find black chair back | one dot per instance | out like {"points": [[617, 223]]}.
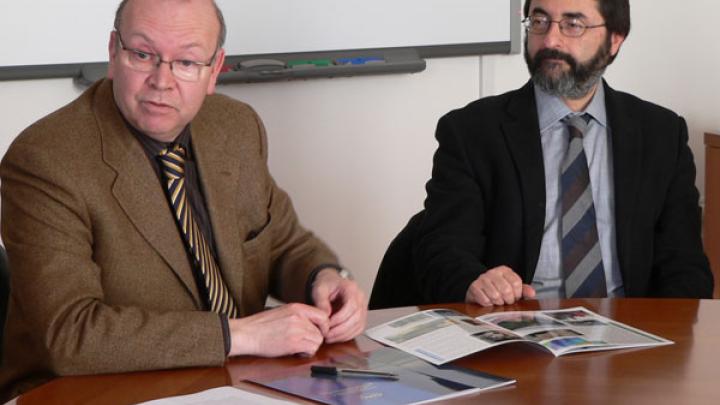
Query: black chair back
{"points": [[395, 284]]}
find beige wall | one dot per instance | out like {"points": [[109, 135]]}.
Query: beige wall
{"points": [[354, 153]]}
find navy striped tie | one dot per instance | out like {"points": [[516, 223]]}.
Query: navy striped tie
{"points": [[173, 168], [583, 272]]}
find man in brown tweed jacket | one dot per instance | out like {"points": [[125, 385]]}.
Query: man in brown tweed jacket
{"points": [[101, 278]]}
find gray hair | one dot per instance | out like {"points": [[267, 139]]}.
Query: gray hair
{"points": [[218, 12]]}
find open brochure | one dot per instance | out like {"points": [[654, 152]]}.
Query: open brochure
{"points": [[443, 335], [417, 381]]}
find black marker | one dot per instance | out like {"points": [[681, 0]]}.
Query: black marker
{"points": [[349, 372]]}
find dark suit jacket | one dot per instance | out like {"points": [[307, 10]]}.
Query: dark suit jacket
{"points": [[485, 203], [100, 277]]}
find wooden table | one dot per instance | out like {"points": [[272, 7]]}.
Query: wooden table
{"points": [[687, 372]]}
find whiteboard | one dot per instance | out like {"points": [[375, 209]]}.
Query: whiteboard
{"points": [[51, 32], [288, 26]]}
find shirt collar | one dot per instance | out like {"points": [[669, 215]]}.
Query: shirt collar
{"points": [[153, 147], [552, 109]]}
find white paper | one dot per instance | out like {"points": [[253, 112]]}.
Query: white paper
{"points": [[219, 396]]}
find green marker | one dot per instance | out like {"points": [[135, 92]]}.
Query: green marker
{"points": [[309, 63]]}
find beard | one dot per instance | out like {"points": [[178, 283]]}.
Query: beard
{"points": [[573, 83]]}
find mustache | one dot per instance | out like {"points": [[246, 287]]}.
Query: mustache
{"points": [[545, 54]]}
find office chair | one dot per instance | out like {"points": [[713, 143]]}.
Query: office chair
{"points": [[4, 294], [395, 283]]}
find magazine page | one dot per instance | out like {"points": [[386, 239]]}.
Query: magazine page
{"points": [[415, 380], [440, 335], [534, 326], [607, 333], [572, 330]]}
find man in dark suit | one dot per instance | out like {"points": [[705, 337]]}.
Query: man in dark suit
{"points": [[143, 228], [564, 187]]}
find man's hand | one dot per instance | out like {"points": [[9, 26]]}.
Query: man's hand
{"points": [[498, 286], [343, 301], [289, 329]]}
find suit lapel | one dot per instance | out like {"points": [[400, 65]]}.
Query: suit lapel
{"points": [[219, 171], [138, 190], [522, 134], [627, 148]]}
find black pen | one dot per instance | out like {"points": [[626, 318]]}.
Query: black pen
{"points": [[350, 372]]}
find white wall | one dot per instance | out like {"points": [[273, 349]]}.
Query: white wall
{"points": [[354, 153]]}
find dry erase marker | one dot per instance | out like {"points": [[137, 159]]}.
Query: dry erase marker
{"points": [[359, 61], [350, 372], [309, 63]]}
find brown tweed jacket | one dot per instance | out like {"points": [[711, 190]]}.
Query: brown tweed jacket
{"points": [[100, 279]]}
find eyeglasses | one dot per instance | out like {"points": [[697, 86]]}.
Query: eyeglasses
{"points": [[570, 27], [183, 69]]}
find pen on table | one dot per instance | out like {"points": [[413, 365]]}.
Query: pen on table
{"points": [[350, 372]]}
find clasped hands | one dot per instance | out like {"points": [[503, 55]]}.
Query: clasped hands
{"points": [[498, 286], [339, 314]]}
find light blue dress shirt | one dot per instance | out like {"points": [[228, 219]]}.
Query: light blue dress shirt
{"points": [[554, 137]]}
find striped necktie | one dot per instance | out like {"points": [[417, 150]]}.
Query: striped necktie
{"points": [[583, 272], [172, 160]]}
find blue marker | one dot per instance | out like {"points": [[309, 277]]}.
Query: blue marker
{"points": [[359, 60]]}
